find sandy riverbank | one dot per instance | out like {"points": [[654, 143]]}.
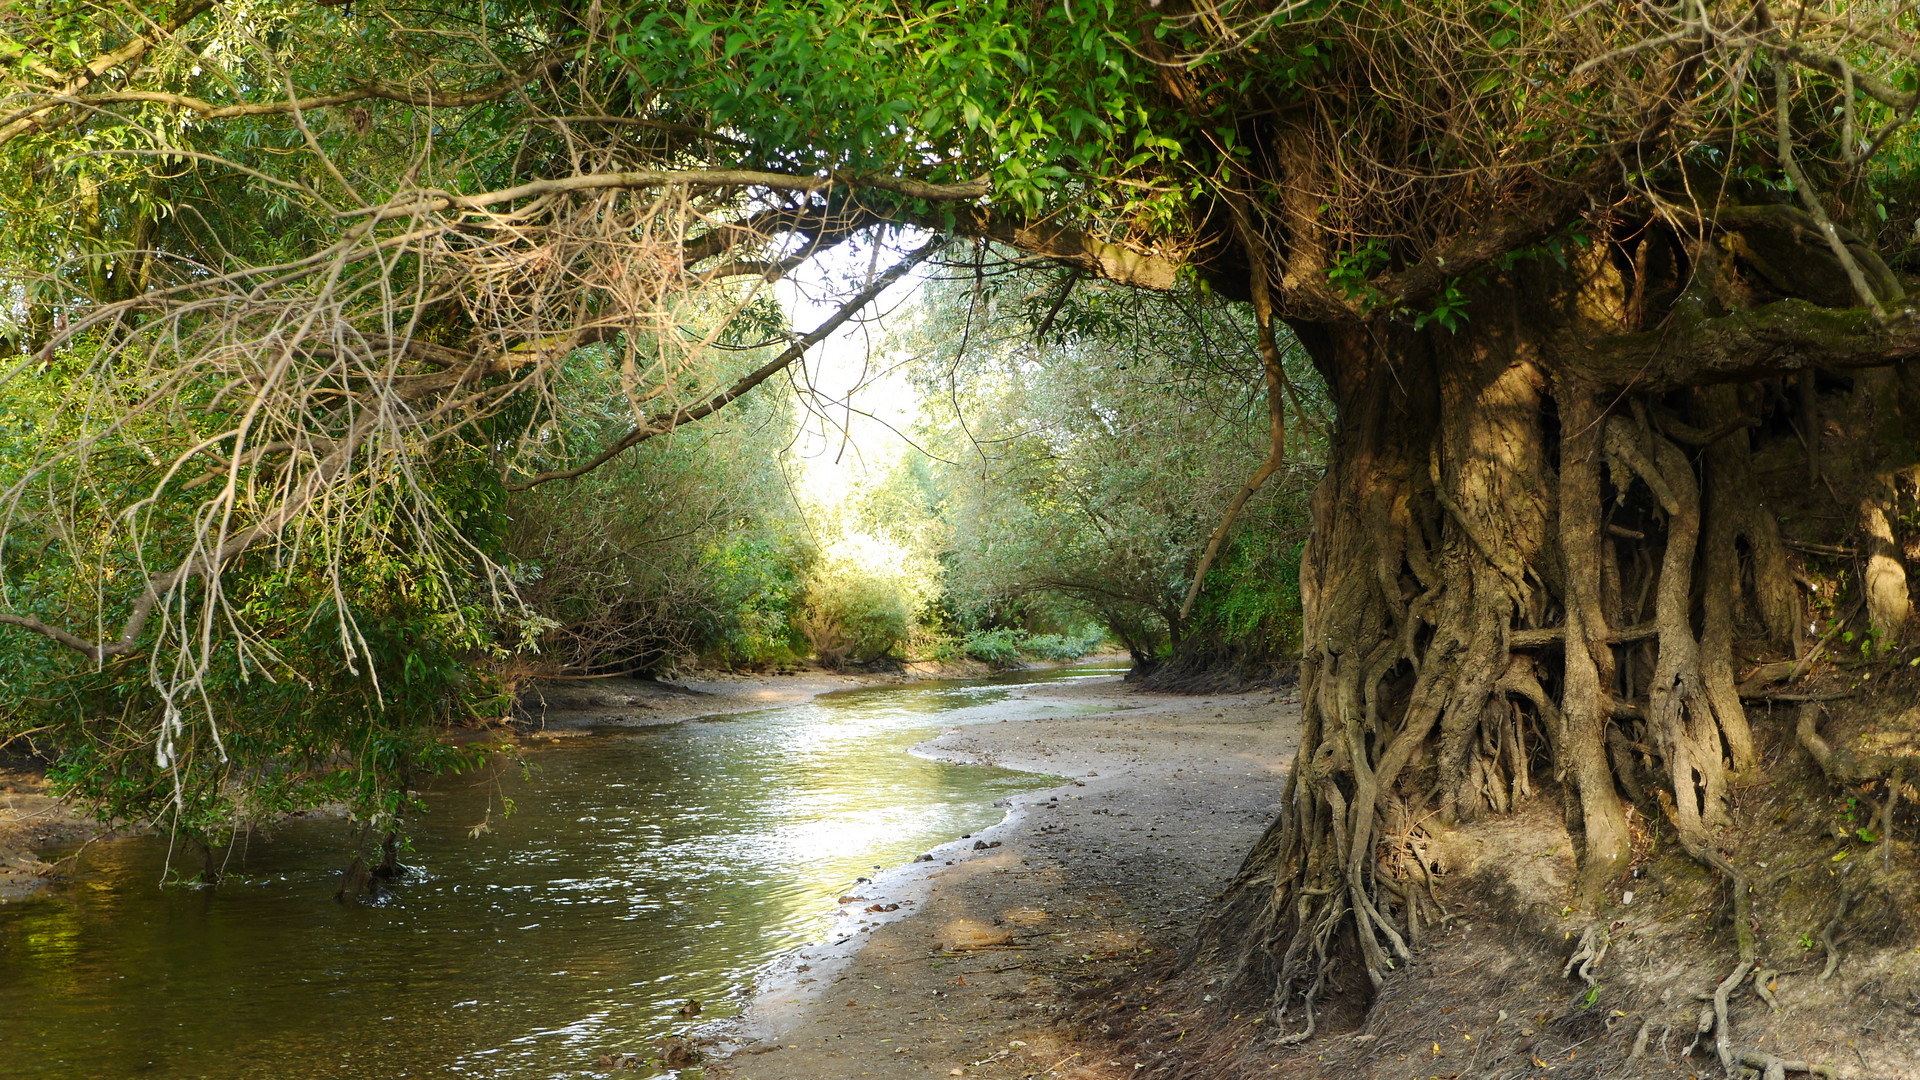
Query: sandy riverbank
{"points": [[1016, 962], [1167, 794], [560, 707], [32, 819]]}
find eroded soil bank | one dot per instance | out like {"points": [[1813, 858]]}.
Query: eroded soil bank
{"points": [[32, 819], [1051, 955]]}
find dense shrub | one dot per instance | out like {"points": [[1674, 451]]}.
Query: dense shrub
{"points": [[1069, 646], [1000, 646], [1007, 646], [759, 587], [861, 599]]}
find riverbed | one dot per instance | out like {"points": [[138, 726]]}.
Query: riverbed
{"points": [[553, 914]]}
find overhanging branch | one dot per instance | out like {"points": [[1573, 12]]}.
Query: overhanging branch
{"points": [[1781, 337], [665, 422], [432, 202], [28, 119], [373, 91], [1081, 250], [203, 563]]}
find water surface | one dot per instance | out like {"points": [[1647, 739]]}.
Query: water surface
{"points": [[637, 870]]}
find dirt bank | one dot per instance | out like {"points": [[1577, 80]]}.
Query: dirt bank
{"points": [[31, 819]]}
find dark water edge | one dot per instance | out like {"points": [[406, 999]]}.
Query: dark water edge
{"points": [[639, 869]]}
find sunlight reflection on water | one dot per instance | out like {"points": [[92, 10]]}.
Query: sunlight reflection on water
{"points": [[640, 869]]}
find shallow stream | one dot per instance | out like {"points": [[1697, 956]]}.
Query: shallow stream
{"points": [[639, 868]]}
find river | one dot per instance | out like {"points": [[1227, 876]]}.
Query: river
{"points": [[638, 869]]}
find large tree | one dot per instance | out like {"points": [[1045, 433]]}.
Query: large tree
{"points": [[1554, 261]]}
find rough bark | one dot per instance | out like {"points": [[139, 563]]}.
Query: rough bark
{"points": [[1529, 570], [1589, 661]]}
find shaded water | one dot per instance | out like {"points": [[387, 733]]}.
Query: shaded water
{"points": [[638, 870]]}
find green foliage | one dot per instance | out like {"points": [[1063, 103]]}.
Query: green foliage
{"points": [[1081, 478], [855, 616], [334, 690], [1046, 98], [688, 548], [1068, 646], [759, 585], [1253, 590], [1006, 645], [999, 646]]}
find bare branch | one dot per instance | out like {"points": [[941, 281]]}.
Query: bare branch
{"points": [[429, 202], [28, 119], [666, 422], [1084, 251], [373, 91]]}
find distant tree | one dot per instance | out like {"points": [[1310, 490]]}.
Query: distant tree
{"points": [[1089, 436]]}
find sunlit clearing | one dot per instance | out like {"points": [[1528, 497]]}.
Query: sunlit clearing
{"points": [[857, 402]]}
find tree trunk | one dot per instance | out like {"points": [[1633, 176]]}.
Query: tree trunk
{"points": [[1499, 592]]}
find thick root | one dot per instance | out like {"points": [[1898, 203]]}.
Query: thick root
{"points": [[1470, 528], [1594, 941], [1774, 1068]]}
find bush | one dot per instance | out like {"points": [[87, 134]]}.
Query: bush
{"points": [[1065, 646], [854, 617], [862, 596], [1006, 646], [998, 647], [759, 588]]}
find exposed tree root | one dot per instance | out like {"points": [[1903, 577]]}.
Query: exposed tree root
{"points": [[1517, 578], [1841, 766], [1639, 1045], [1840, 906], [1774, 1068], [1591, 950]]}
